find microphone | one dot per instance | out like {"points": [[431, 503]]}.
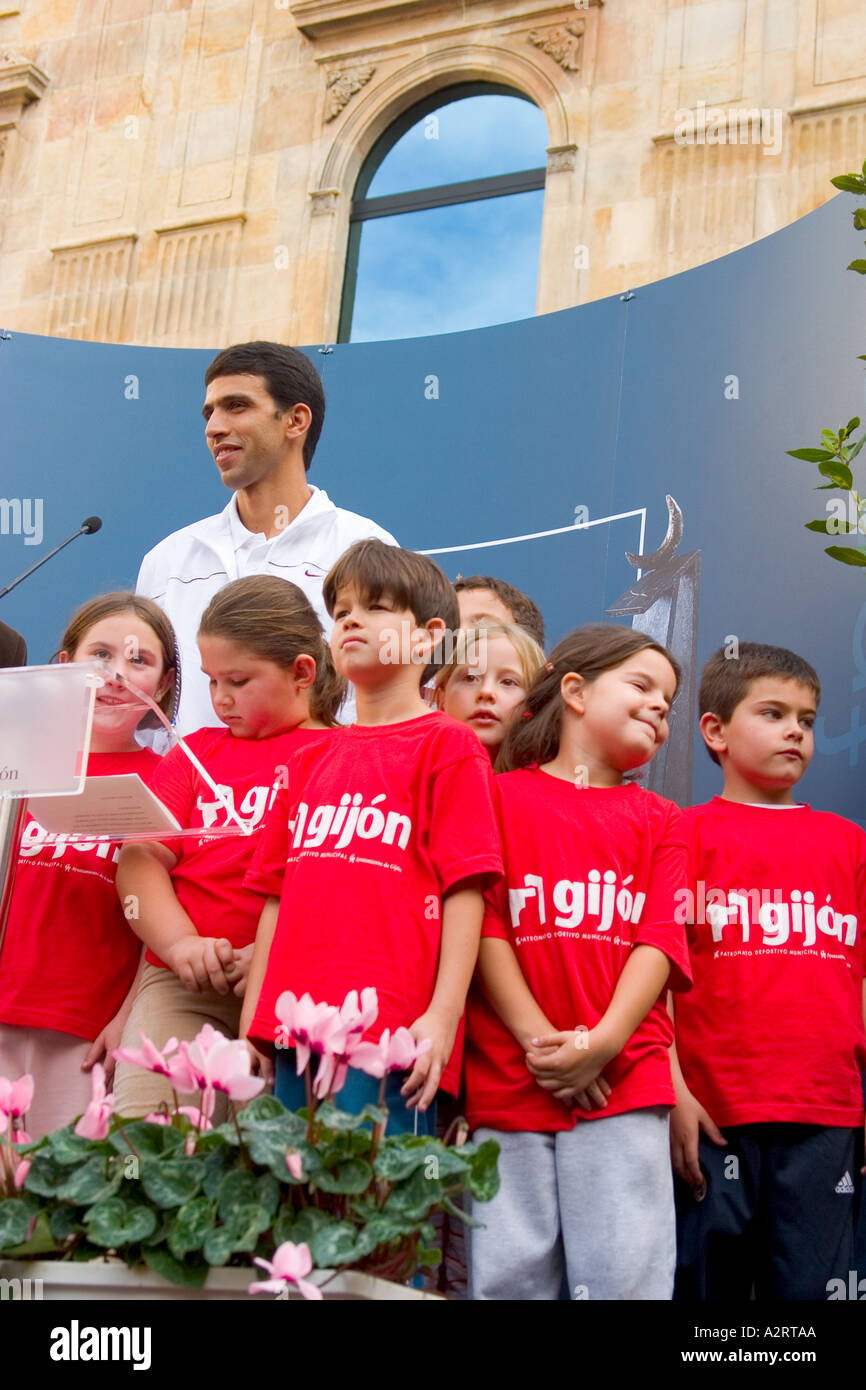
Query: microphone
{"points": [[88, 526]]}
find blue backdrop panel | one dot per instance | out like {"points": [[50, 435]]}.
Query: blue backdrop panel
{"points": [[467, 439]]}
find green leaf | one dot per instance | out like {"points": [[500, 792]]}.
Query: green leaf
{"points": [[69, 1147], [186, 1276], [462, 1213], [64, 1223], [283, 1227], [216, 1165], [855, 448], [116, 1223], [334, 1245], [382, 1230], [191, 1225], [427, 1258], [810, 455], [838, 473], [849, 183], [218, 1245], [309, 1221], [247, 1224], [264, 1107], [90, 1182], [148, 1140], [171, 1182], [353, 1176], [846, 554], [483, 1180], [268, 1194], [341, 1121], [852, 425], [859, 266], [839, 527], [46, 1175], [14, 1222], [269, 1141], [236, 1189], [415, 1198]]}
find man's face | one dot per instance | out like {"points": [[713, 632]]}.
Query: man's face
{"points": [[242, 430], [476, 605]]}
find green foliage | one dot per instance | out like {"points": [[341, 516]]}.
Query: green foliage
{"points": [[837, 453], [365, 1197]]}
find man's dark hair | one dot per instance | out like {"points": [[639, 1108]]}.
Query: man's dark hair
{"points": [[524, 612], [289, 375], [409, 580], [728, 676]]}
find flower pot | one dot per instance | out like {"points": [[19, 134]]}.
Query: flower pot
{"points": [[111, 1279]]}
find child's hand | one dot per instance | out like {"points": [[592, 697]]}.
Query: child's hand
{"points": [[200, 962], [571, 1060], [238, 970], [263, 1064], [593, 1098], [102, 1047], [422, 1083], [688, 1118]]}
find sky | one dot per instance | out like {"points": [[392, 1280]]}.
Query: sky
{"points": [[464, 266]]}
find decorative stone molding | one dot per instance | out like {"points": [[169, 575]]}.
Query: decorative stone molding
{"points": [[828, 139], [563, 43], [90, 282], [195, 277], [20, 83], [561, 159], [342, 84], [317, 19], [324, 201]]}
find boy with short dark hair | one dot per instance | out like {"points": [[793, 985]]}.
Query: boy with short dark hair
{"points": [[375, 856], [484, 598], [768, 1127]]}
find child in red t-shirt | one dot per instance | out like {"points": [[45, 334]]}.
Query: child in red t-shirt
{"points": [[567, 1055], [375, 858], [485, 682], [69, 959], [275, 689], [770, 1042]]}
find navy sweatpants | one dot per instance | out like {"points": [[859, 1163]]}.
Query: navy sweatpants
{"points": [[778, 1216]]}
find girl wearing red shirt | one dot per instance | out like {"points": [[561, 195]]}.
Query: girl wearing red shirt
{"points": [[567, 1038], [274, 688], [68, 961]]}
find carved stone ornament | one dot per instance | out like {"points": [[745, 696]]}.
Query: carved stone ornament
{"points": [[342, 86], [324, 201], [561, 159], [562, 43]]}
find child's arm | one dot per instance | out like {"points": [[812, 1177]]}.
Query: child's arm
{"points": [[505, 986], [143, 873], [580, 1055], [688, 1118], [255, 979], [462, 911]]}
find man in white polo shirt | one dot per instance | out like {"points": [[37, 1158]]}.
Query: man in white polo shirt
{"points": [[264, 408]]}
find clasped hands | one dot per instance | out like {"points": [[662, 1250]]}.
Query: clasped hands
{"points": [[208, 962], [569, 1065]]}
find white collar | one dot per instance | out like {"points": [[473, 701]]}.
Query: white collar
{"points": [[242, 537]]}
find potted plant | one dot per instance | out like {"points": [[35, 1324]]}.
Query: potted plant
{"points": [[320, 1200]]}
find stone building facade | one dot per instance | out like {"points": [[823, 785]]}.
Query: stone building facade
{"points": [[181, 172]]}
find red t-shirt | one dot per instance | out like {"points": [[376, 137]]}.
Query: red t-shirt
{"points": [[208, 878], [370, 838], [773, 1029], [70, 956], [590, 872]]}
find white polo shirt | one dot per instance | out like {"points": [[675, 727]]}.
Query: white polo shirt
{"points": [[183, 572]]}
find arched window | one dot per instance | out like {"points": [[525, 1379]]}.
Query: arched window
{"points": [[445, 227]]}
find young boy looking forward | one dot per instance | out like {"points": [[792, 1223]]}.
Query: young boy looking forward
{"points": [[768, 1128], [375, 857]]}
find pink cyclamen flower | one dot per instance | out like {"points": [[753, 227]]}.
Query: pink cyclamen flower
{"points": [[94, 1122], [22, 1165], [306, 1024], [15, 1096], [290, 1264], [148, 1056], [397, 1052], [360, 1017], [216, 1064], [294, 1165]]}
